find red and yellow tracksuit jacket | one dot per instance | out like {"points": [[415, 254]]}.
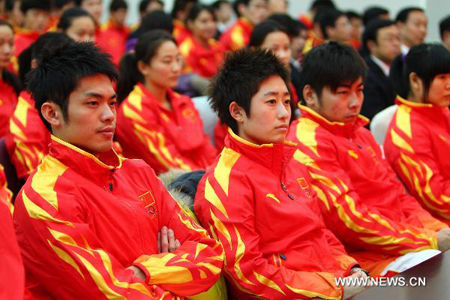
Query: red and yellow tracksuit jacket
{"points": [[180, 31], [23, 39], [164, 138], [8, 101], [12, 275], [362, 201], [417, 146], [81, 220], [112, 38], [312, 42], [237, 36], [29, 138], [276, 244], [200, 60]]}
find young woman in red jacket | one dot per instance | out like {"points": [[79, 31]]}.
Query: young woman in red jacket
{"points": [[418, 140], [155, 123]]}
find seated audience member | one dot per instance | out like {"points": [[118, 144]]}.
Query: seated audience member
{"points": [[157, 19], [444, 30], [155, 123], [223, 10], [375, 12], [272, 36], [316, 36], [335, 26], [113, 35], [276, 244], [78, 24], [92, 224], [362, 201], [251, 13], [417, 141], [355, 20], [94, 7], [9, 84], [382, 42], [412, 23], [13, 14], [180, 11], [202, 53], [35, 22], [28, 139], [12, 275]]}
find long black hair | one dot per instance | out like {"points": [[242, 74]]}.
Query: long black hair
{"points": [[8, 77], [426, 60], [146, 47]]}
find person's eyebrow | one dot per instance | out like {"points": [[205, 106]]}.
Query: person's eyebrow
{"points": [[98, 95], [273, 93]]}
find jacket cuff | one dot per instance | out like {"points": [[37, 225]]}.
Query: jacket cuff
{"points": [[144, 270]]}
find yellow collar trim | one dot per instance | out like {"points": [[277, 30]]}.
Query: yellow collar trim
{"points": [[245, 142], [87, 154], [413, 104], [319, 116]]}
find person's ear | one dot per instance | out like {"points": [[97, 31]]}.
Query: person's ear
{"points": [[237, 112], [142, 67], [310, 97], [371, 46], [52, 114], [416, 85]]}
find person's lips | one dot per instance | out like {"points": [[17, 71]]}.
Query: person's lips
{"points": [[107, 131], [284, 127]]}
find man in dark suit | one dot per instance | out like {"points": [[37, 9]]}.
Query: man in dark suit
{"points": [[382, 44]]}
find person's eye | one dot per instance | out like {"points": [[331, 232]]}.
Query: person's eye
{"points": [[287, 101], [271, 101], [113, 103], [92, 103]]}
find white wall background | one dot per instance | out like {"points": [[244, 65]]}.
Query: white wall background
{"points": [[435, 9]]}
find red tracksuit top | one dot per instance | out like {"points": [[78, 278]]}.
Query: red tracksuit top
{"points": [[12, 275], [164, 138], [180, 31], [200, 60], [8, 101], [275, 241], [81, 220], [112, 39], [237, 36], [417, 146], [29, 138], [362, 201]]}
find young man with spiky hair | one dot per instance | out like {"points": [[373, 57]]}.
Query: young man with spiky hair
{"points": [[275, 241], [362, 200], [92, 224]]}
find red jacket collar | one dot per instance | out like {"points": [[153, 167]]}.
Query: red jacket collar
{"points": [[174, 98], [338, 128], [272, 156], [426, 108], [95, 168]]}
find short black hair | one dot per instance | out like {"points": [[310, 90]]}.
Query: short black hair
{"points": [[156, 19], [292, 27], [322, 4], [331, 65], [262, 30], [373, 12], [444, 26], [60, 3], [180, 5], [117, 4], [59, 72], [328, 18], [353, 15], [216, 4], [371, 31], [240, 78], [144, 4], [403, 15], [69, 15], [426, 60], [26, 5]]}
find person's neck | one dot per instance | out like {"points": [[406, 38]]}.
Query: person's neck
{"points": [[415, 98], [159, 93]]}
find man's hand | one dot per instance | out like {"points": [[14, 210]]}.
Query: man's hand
{"points": [[352, 290], [167, 241], [444, 239], [137, 272]]}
